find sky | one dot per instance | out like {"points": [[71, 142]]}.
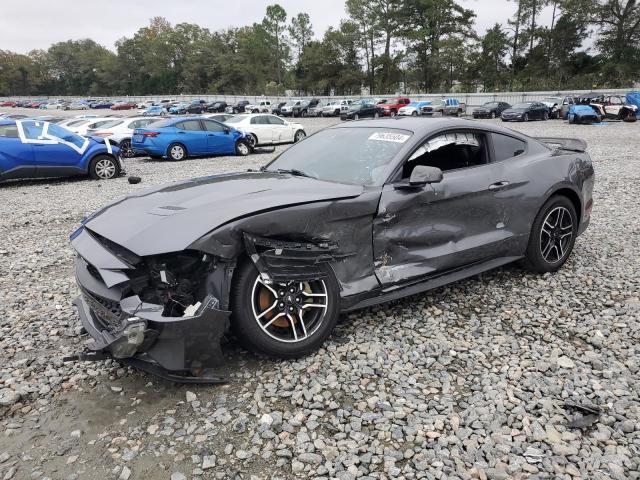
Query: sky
{"points": [[36, 24]]}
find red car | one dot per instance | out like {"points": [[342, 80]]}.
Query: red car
{"points": [[124, 106], [8, 103], [391, 108]]}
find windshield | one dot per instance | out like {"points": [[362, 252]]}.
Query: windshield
{"points": [[551, 100], [523, 105], [290, 104], [352, 155], [490, 104]]}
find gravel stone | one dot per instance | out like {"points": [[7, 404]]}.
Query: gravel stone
{"points": [[468, 381]]}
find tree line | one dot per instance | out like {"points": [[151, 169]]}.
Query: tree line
{"points": [[385, 46]]}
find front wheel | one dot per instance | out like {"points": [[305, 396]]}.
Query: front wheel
{"points": [[356, 117], [300, 135], [283, 319], [526, 117], [253, 140], [545, 116], [493, 115], [104, 167], [553, 235], [242, 148], [125, 148]]}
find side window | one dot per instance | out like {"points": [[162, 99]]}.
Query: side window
{"points": [[505, 147], [33, 130], [8, 131], [64, 134], [189, 125], [449, 151], [210, 126], [616, 101], [275, 121]]}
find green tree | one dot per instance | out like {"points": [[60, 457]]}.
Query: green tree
{"points": [[274, 26]]}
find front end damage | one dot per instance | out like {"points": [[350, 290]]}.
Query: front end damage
{"points": [[165, 314]]}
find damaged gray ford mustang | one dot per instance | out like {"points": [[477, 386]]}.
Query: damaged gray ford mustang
{"points": [[355, 215]]}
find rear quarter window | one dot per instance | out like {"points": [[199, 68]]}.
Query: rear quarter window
{"points": [[506, 147]]}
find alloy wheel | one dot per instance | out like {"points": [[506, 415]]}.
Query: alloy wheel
{"points": [[125, 147], [556, 235], [300, 135], [105, 169], [289, 312]]}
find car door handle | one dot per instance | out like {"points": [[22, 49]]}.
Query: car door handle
{"points": [[498, 186]]}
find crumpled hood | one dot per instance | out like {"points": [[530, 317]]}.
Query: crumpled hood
{"points": [[172, 217]]}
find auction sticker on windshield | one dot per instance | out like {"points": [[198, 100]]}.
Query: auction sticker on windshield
{"points": [[389, 137]]}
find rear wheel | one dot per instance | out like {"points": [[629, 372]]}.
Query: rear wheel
{"points": [[176, 152], [104, 167], [629, 116], [553, 235], [285, 319], [545, 116]]}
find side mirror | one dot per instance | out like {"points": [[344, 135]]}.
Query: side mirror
{"points": [[422, 175], [227, 129]]}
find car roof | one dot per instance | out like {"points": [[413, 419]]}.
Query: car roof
{"points": [[424, 126]]}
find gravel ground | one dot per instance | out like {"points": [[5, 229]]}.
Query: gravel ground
{"points": [[465, 382]]}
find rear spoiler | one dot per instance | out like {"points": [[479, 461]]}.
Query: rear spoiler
{"points": [[571, 144]]}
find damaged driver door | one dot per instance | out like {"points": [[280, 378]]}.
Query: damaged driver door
{"points": [[428, 229]]}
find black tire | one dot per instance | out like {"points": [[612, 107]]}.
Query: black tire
{"points": [[253, 337], [535, 259], [125, 148], [356, 117], [104, 167], [299, 136], [545, 116], [242, 148], [337, 113], [252, 140], [493, 115], [629, 117], [173, 152], [525, 118], [414, 114]]}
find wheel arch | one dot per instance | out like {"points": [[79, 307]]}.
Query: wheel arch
{"points": [[90, 158], [573, 196]]}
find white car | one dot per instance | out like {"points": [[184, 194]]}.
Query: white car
{"points": [[81, 125], [263, 107], [120, 131], [267, 129], [336, 107], [146, 104]]}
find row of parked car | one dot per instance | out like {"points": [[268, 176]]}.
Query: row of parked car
{"points": [[97, 146], [586, 108]]}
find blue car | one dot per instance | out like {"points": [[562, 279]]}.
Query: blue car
{"points": [[583, 114], [33, 148], [179, 138]]}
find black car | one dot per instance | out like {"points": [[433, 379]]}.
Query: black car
{"points": [[240, 106], [523, 112], [216, 107], [197, 106], [490, 110], [352, 216], [277, 109], [302, 109], [362, 109]]}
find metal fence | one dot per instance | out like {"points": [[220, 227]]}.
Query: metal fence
{"points": [[470, 99]]}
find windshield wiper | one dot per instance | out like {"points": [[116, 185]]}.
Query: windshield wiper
{"points": [[294, 172]]}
